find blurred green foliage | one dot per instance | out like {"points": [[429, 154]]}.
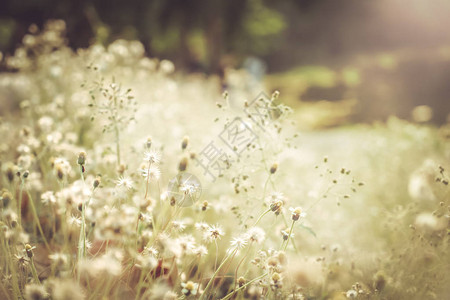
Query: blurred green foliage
{"points": [[195, 34]]}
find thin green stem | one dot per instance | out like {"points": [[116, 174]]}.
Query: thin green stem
{"points": [[19, 205], [36, 218], [11, 267], [82, 249], [148, 179], [4, 291], [265, 186], [289, 237], [82, 238], [244, 286], [116, 129], [211, 280], [34, 272], [262, 215], [239, 264]]}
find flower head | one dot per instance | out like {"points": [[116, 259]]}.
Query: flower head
{"points": [[351, 294], [297, 212], [152, 156], [239, 242], [214, 232], [189, 288], [153, 172], [276, 202], [256, 234], [48, 197], [124, 182]]}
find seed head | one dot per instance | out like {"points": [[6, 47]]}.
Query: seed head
{"points": [[97, 181], [183, 164], [241, 281], [81, 158], [148, 144], [351, 294], [189, 288], [256, 234], [275, 95], [10, 171], [29, 250], [35, 292], [121, 169], [184, 143], [273, 168], [379, 281], [59, 172], [297, 213], [152, 156], [6, 198]]}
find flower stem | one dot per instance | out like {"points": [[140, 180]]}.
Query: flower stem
{"points": [[262, 215], [36, 218], [19, 205], [34, 272], [244, 286], [211, 280], [289, 237]]}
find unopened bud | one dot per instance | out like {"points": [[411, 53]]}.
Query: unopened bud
{"points": [[29, 250], [81, 158], [183, 164], [97, 181], [275, 95], [184, 143], [273, 168], [241, 281]]}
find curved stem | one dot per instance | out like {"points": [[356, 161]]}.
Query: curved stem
{"points": [[34, 272], [239, 264], [211, 280], [244, 286], [262, 215], [33, 208], [19, 205], [289, 237], [148, 179]]}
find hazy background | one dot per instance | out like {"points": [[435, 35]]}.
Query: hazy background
{"points": [[357, 60]]}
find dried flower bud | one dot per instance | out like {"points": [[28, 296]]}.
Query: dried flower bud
{"points": [[183, 164], [241, 281], [6, 198], [29, 250], [184, 143], [276, 277], [148, 144], [273, 168], [205, 205], [379, 281], [121, 169], [97, 181], [59, 171], [275, 95], [10, 170], [26, 174], [81, 158], [297, 213]]}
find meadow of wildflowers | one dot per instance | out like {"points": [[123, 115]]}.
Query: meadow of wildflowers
{"points": [[122, 178]]}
